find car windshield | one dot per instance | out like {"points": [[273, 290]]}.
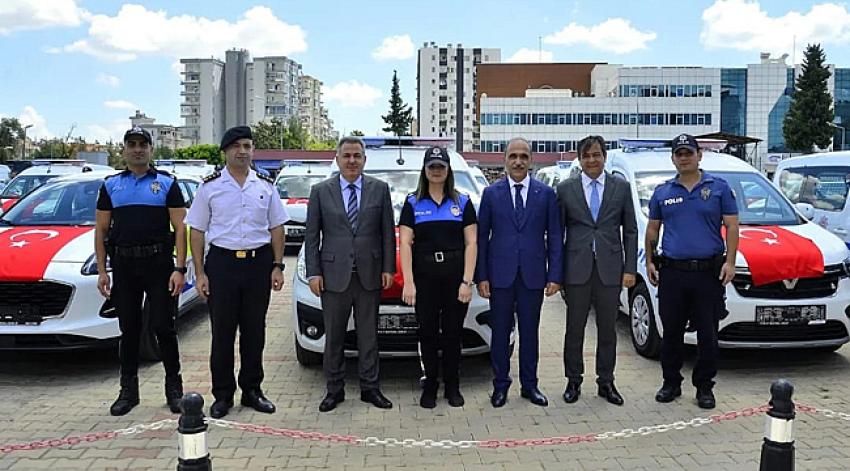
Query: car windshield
{"points": [[402, 183], [824, 188], [759, 203], [23, 184], [67, 203], [297, 186]]}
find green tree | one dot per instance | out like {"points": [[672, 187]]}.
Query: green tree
{"points": [[400, 115], [807, 121], [313, 144], [208, 152], [269, 134], [163, 153], [357, 132], [11, 133], [53, 149], [296, 135]]}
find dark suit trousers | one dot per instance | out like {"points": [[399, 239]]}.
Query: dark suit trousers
{"points": [[525, 302], [336, 310], [239, 299], [605, 301]]}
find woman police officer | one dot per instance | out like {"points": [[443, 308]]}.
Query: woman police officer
{"points": [[437, 231]]}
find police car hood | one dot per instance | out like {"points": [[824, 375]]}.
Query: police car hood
{"points": [[27, 251], [297, 210], [832, 248]]}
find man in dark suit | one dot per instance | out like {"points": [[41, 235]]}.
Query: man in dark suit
{"points": [[349, 250], [519, 256], [600, 251]]}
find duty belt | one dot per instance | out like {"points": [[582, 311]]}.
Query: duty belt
{"points": [[694, 264], [141, 251], [438, 257]]}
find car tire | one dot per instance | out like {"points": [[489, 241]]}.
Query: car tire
{"points": [[642, 327], [148, 345], [306, 357]]}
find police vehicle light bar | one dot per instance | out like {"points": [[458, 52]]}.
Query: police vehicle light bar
{"points": [[76, 163], [562, 164], [407, 141], [633, 145], [195, 162]]}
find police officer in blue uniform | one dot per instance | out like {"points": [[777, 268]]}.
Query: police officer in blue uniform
{"points": [[437, 243], [239, 213], [136, 210], [692, 270]]}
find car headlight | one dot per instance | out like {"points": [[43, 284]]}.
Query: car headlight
{"points": [[301, 269], [90, 267]]}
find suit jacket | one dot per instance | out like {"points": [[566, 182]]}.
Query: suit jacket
{"points": [[331, 246], [615, 232], [531, 247]]}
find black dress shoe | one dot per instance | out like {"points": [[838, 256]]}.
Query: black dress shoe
{"points": [[128, 398], [220, 408], [705, 398], [454, 397], [174, 392], [374, 397], [331, 400], [668, 392], [535, 396], [610, 393], [572, 392], [257, 401], [499, 397]]}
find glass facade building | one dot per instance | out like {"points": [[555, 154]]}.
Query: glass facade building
{"points": [[842, 108], [733, 101]]}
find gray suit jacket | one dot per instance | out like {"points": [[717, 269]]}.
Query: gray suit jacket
{"points": [[615, 232], [331, 246]]}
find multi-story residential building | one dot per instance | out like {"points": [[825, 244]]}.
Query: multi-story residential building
{"points": [[163, 135], [273, 89], [203, 106], [446, 89], [313, 114]]}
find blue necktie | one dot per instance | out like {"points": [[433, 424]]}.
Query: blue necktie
{"points": [[519, 206], [594, 199], [352, 206]]}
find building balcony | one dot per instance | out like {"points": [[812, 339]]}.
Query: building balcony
{"points": [[190, 82], [190, 93]]}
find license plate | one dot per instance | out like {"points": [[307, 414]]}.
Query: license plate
{"points": [[21, 314], [791, 315], [397, 323], [295, 231]]}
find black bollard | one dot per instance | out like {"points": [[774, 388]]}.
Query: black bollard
{"points": [[777, 451], [192, 453]]}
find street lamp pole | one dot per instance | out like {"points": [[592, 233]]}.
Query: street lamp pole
{"points": [[24, 142]]}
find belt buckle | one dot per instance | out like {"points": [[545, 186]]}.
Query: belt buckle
{"points": [[439, 257], [241, 254]]}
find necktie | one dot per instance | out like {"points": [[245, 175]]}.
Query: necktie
{"points": [[352, 206], [519, 205], [594, 199]]}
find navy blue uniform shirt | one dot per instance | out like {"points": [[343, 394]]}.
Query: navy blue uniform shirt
{"points": [[139, 206], [691, 220], [437, 227]]}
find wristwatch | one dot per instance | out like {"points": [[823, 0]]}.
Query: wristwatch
{"points": [[280, 265], [181, 270], [467, 283]]}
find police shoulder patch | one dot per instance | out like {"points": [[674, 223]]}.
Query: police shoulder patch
{"points": [[212, 176], [265, 177]]}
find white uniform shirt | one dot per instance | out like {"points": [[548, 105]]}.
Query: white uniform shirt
{"points": [[234, 217]]}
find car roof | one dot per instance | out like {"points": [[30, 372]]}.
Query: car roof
{"points": [[290, 168], [387, 158], [62, 169], [660, 161], [826, 159]]}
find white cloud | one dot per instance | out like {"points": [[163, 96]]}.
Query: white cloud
{"points": [[743, 25], [120, 105], [351, 94], [39, 124], [109, 80], [526, 55], [615, 35], [18, 15], [394, 47], [137, 31], [102, 133]]}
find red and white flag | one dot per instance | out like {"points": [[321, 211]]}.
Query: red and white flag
{"points": [[775, 254], [26, 251]]}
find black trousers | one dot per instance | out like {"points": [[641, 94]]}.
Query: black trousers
{"points": [[440, 316], [240, 289], [696, 296], [133, 279]]}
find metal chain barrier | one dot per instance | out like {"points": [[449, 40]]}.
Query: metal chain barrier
{"points": [[828, 413], [88, 438]]}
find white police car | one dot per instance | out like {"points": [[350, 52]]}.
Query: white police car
{"points": [[190, 167], [399, 166], [293, 184], [48, 272], [794, 313], [554, 174], [40, 172]]}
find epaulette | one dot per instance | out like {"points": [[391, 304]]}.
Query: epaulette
{"points": [[265, 177], [212, 176]]}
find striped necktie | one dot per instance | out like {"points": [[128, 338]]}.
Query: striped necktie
{"points": [[352, 206]]}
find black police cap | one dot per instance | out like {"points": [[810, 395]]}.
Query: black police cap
{"points": [[138, 131], [436, 154], [234, 134]]}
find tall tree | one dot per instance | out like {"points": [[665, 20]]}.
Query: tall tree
{"points": [[398, 120], [11, 133], [208, 152], [296, 134], [269, 134], [807, 123]]}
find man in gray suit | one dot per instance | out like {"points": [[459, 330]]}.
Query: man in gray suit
{"points": [[600, 256], [349, 250]]}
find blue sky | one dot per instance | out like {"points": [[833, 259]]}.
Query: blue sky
{"points": [[90, 64]]}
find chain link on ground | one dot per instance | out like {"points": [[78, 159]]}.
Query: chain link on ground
{"points": [[425, 443]]}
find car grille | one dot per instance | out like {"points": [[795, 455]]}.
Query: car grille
{"points": [[752, 332], [823, 286], [45, 298]]}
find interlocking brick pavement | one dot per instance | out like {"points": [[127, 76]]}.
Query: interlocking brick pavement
{"points": [[54, 395]]}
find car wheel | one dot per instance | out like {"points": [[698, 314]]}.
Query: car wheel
{"points": [[306, 357], [148, 345], [643, 330]]}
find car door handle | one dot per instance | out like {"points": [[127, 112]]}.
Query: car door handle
{"points": [[840, 231]]}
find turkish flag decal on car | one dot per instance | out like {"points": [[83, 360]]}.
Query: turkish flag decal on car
{"points": [[775, 254], [25, 251]]}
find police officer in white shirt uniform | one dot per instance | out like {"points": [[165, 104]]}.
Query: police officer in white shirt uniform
{"points": [[238, 212]]}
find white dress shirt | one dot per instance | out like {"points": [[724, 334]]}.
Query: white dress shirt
{"points": [[586, 186], [525, 183], [237, 217]]}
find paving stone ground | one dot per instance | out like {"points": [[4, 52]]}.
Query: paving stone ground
{"points": [[54, 395]]}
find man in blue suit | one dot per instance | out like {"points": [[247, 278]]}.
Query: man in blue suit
{"points": [[519, 256]]}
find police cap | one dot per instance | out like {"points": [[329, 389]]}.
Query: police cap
{"points": [[234, 134], [138, 131], [436, 155]]}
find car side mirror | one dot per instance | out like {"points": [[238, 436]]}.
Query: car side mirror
{"points": [[807, 210]]}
